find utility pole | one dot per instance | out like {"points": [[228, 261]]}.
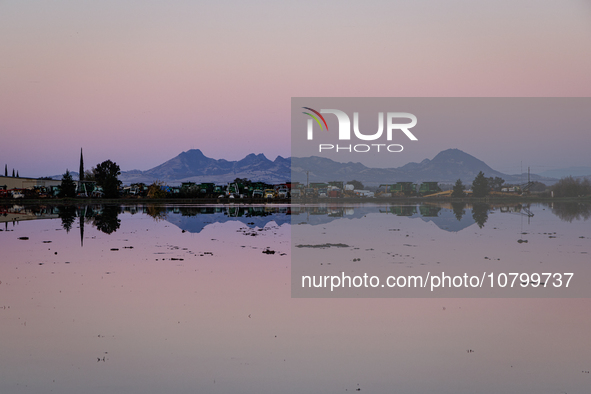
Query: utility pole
{"points": [[307, 179], [528, 176]]}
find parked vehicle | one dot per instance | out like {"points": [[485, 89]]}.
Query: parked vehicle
{"points": [[283, 193], [17, 193], [269, 193], [257, 193], [364, 193]]}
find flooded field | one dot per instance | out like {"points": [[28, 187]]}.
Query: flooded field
{"points": [[186, 299]]}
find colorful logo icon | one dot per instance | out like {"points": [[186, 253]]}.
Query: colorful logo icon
{"points": [[315, 118]]}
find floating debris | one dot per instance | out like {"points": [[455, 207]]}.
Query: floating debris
{"points": [[268, 251], [114, 249], [324, 246], [23, 238]]}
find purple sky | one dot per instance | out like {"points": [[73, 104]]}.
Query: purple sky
{"points": [[139, 82]]}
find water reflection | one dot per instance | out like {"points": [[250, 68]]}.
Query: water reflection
{"points": [[165, 311], [67, 214], [480, 214], [157, 212], [451, 217], [569, 211], [459, 210], [106, 220]]}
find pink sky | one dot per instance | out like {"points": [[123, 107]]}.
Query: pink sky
{"points": [[139, 82]]}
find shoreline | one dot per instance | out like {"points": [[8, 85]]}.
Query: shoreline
{"points": [[258, 201]]}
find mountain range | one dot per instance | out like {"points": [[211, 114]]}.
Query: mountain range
{"points": [[193, 166], [446, 167]]}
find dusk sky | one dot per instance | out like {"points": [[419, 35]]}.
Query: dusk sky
{"points": [[138, 82]]}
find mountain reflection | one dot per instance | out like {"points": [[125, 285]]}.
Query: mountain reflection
{"points": [[448, 216]]}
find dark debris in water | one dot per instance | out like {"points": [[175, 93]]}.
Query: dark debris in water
{"points": [[327, 245], [23, 238]]}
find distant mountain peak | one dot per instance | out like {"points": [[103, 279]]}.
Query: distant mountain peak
{"points": [[453, 154], [193, 152]]}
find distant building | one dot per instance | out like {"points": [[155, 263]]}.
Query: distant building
{"points": [[26, 183]]}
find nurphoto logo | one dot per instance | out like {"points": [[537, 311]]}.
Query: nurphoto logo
{"points": [[344, 133]]}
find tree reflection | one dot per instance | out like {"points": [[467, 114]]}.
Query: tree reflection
{"points": [[459, 209], [107, 221], [480, 213], [569, 211], [157, 212], [67, 213]]}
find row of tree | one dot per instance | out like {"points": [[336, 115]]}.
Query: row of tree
{"points": [[13, 174], [481, 186], [105, 175], [571, 187], [566, 187]]}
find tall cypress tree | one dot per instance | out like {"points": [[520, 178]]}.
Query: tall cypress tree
{"points": [[81, 170], [17, 174], [13, 172], [5, 169]]}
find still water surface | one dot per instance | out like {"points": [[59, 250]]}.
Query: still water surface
{"points": [[152, 299]]}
